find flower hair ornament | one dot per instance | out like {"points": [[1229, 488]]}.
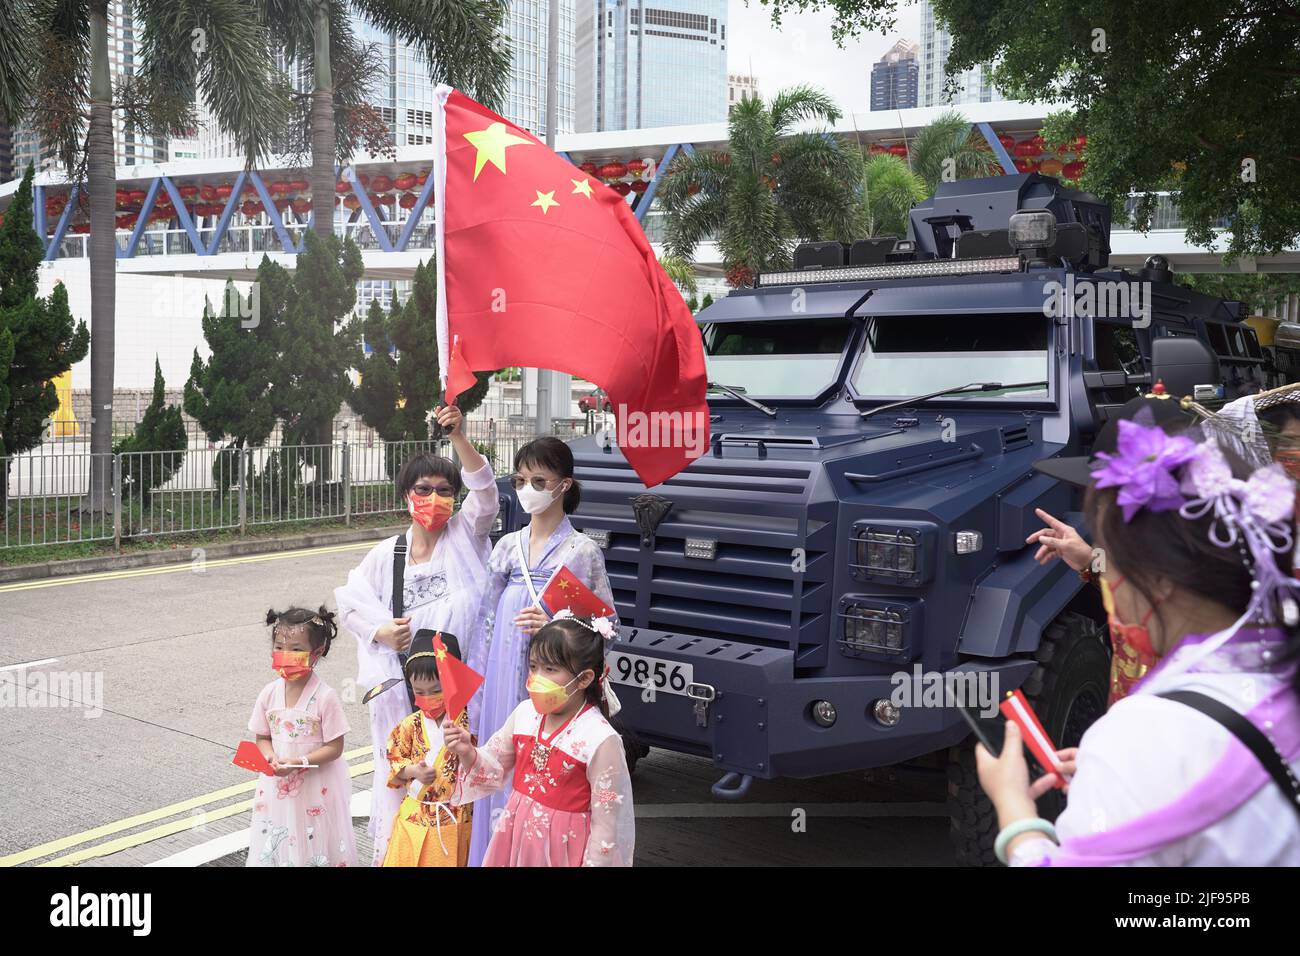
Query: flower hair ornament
{"points": [[607, 629], [1158, 472]]}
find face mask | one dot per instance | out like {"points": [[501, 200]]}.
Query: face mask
{"points": [[534, 501], [432, 706], [430, 512], [1134, 654], [546, 695], [291, 665], [1290, 460]]}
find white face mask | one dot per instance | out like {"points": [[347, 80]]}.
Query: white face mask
{"points": [[534, 501]]}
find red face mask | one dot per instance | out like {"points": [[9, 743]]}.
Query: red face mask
{"points": [[1290, 460], [291, 665], [432, 706], [1133, 653], [430, 512]]}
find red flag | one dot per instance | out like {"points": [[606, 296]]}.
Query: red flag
{"points": [[249, 757], [460, 378], [565, 591], [459, 680], [541, 265], [1016, 708]]}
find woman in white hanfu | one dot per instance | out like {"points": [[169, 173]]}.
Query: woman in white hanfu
{"points": [[1197, 764], [442, 586], [522, 563]]}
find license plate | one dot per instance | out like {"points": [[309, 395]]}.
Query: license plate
{"points": [[666, 677]]}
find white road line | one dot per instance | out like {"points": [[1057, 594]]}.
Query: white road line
{"points": [[18, 667]]}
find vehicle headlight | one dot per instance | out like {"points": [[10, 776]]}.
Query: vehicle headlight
{"points": [[893, 555], [876, 628]]}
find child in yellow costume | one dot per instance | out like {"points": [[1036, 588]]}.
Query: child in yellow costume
{"points": [[427, 830]]}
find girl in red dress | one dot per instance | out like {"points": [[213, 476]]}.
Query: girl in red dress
{"points": [[571, 803]]}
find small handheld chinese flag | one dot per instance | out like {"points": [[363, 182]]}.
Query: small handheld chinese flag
{"points": [[1016, 708], [566, 591], [460, 377], [459, 681], [248, 756]]}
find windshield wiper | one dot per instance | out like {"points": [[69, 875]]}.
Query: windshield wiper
{"points": [[765, 409], [971, 387]]}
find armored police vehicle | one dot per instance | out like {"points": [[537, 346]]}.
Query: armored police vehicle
{"points": [[856, 530]]}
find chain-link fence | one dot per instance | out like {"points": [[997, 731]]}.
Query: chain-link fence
{"points": [[61, 493]]}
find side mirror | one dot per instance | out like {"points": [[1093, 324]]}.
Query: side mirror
{"points": [[1182, 363]]}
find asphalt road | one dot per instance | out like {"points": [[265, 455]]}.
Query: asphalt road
{"points": [[145, 680]]}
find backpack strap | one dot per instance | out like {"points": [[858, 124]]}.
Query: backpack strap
{"points": [[1251, 736], [399, 598]]}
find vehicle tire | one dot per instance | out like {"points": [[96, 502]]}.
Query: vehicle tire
{"points": [[634, 752], [1068, 690]]}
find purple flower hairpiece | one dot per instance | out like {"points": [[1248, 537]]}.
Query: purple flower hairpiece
{"points": [[1142, 468]]}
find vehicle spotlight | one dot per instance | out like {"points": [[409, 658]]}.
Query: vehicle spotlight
{"points": [[823, 711], [886, 713], [1032, 232]]}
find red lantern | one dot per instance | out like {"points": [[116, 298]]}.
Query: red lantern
{"points": [[249, 189], [1025, 166], [1008, 142], [405, 181], [224, 191], [621, 187], [612, 170], [283, 203], [875, 149], [137, 195], [301, 205], [639, 186], [1025, 148], [122, 197], [898, 149], [279, 187], [1074, 170], [407, 201], [422, 178], [1038, 142], [363, 179], [300, 185], [381, 184], [249, 208], [1051, 167], [636, 166], [351, 202], [188, 191], [342, 186], [588, 167], [207, 193]]}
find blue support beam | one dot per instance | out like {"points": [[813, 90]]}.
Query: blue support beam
{"points": [[223, 222], [51, 251], [183, 215], [272, 213], [140, 222], [421, 203], [661, 169], [1000, 151], [38, 210], [381, 234]]}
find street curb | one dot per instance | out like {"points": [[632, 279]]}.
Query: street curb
{"points": [[182, 555]]}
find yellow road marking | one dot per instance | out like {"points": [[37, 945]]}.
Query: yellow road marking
{"points": [[107, 829], [180, 566], [167, 829]]}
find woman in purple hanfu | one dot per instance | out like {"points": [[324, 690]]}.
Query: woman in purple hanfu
{"points": [[521, 565], [1168, 778]]}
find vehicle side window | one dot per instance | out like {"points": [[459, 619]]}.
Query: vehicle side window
{"points": [[1117, 348]]}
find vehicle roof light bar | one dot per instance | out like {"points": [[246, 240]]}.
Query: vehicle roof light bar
{"points": [[894, 270]]}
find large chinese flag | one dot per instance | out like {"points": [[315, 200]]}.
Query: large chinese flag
{"points": [[540, 265]]}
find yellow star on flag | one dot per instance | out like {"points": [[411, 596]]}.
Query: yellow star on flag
{"points": [[545, 200], [582, 186], [491, 144]]}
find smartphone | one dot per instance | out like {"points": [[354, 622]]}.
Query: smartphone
{"points": [[990, 731]]}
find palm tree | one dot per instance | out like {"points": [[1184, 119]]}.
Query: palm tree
{"points": [[461, 40], [950, 137], [62, 78], [889, 190], [771, 187]]}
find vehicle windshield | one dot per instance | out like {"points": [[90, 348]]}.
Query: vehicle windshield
{"points": [[907, 355], [775, 359]]}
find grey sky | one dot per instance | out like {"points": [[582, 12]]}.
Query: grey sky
{"points": [[803, 51]]}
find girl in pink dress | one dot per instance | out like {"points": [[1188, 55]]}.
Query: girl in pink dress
{"points": [[302, 816], [571, 799]]}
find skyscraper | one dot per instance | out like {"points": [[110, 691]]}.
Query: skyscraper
{"points": [[131, 146], [973, 85], [740, 86], [894, 78], [640, 65]]}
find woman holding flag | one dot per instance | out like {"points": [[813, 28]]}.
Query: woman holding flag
{"points": [[430, 577], [522, 565]]}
